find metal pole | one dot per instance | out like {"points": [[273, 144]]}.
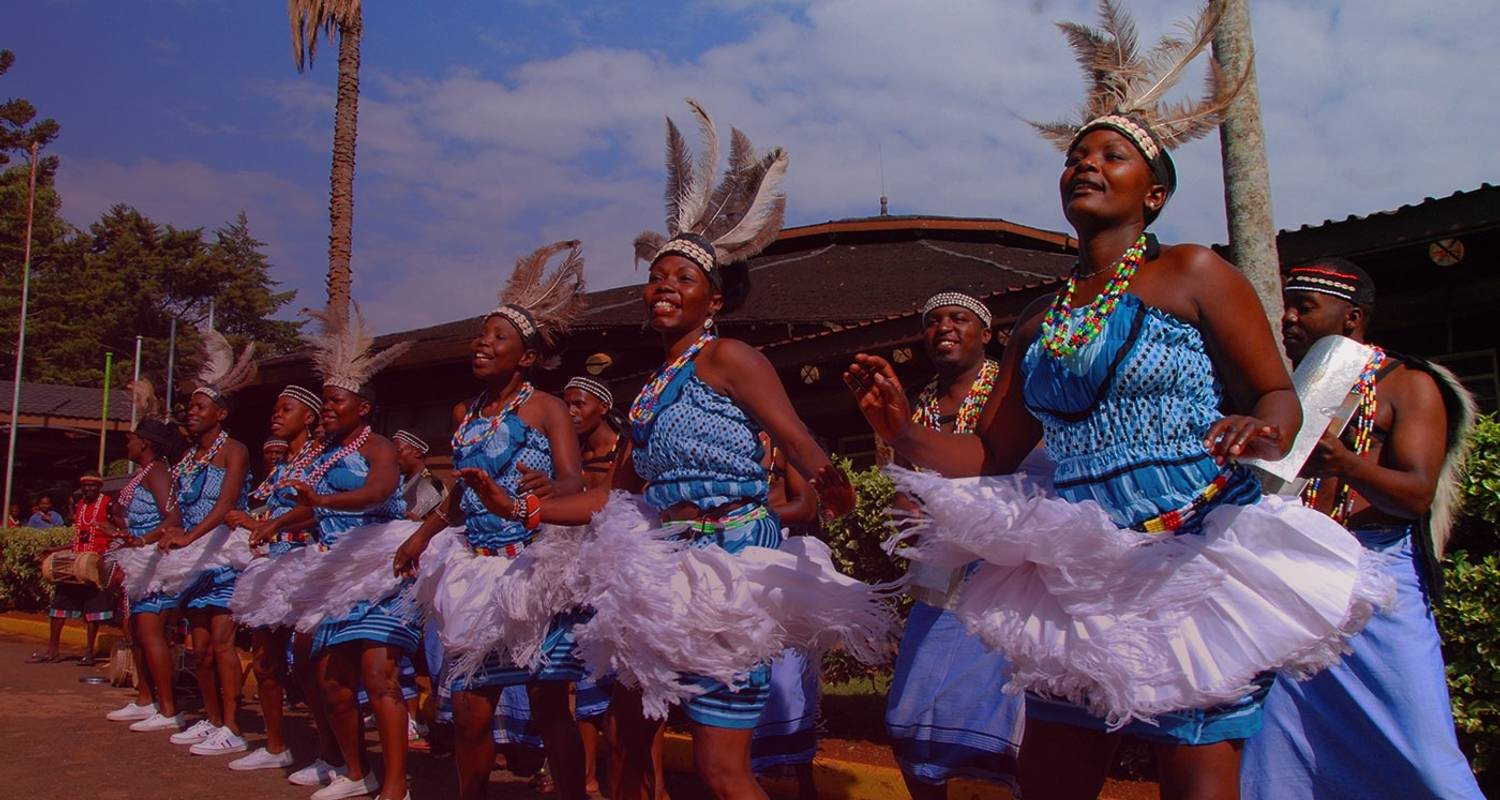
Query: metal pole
{"points": [[109, 366], [210, 313], [171, 363], [15, 395], [135, 413]]}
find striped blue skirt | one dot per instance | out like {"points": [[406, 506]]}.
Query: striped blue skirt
{"points": [[383, 623], [211, 591], [1378, 724], [561, 662], [946, 714], [787, 731]]}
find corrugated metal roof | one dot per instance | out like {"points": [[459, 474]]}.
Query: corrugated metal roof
{"points": [[73, 402]]}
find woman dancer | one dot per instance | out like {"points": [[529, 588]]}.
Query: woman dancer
{"points": [[282, 528], [211, 481], [346, 596], [1149, 587], [697, 459], [145, 508], [508, 427]]}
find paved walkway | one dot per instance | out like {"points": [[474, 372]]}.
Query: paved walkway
{"points": [[55, 742]]}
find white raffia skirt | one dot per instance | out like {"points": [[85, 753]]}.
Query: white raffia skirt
{"points": [[150, 571], [492, 608], [1130, 625], [665, 610]]}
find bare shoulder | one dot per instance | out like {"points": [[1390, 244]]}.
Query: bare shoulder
{"points": [[1196, 262], [543, 407], [378, 445], [461, 410], [1409, 386], [1029, 323]]}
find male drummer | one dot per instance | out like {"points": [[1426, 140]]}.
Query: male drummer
{"points": [[71, 600]]}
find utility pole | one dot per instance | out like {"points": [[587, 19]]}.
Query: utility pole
{"points": [[109, 365], [15, 395]]}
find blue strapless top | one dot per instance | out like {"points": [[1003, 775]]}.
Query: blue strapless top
{"points": [[347, 475], [499, 453], [1124, 417], [197, 495], [699, 448], [142, 516]]}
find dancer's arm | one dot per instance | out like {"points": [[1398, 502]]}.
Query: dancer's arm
{"points": [[159, 484], [567, 461], [236, 465], [299, 518], [801, 505], [378, 487]]}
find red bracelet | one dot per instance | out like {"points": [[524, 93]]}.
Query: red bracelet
{"points": [[532, 516]]}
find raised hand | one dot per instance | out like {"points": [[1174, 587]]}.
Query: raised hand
{"points": [[1239, 436], [535, 482], [836, 494], [880, 396], [491, 494]]}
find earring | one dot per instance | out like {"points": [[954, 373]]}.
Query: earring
{"points": [[708, 324]]}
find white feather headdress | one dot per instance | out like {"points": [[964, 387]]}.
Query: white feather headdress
{"points": [[342, 352], [543, 306], [718, 225], [221, 373], [1126, 89]]}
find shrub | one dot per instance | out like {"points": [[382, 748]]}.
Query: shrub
{"points": [[1481, 490], [21, 549], [1470, 624], [855, 540]]}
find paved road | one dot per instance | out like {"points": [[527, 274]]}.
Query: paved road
{"points": [[55, 742]]}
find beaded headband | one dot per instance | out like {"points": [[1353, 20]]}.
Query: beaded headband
{"points": [[274, 442], [304, 396], [91, 478], [523, 321], [957, 299], [699, 252], [1337, 278], [593, 387], [411, 439]]}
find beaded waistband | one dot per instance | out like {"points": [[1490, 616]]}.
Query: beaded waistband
{"points": [[293, 537], [709, 524], [1177, 518], [509, 550]]}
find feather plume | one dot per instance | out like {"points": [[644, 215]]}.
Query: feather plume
{"points": [[691, 208], [646, 245], [143, 396], [554, 301], [221, 370], [341, 353], [760, 222], [679, 175], [1122, 81]]}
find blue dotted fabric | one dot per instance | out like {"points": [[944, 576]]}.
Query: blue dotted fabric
{"points": [[197, 495], [345, 476], [700, 448], [508, 445], [281, 501], [1146, 402], [143, 515]]}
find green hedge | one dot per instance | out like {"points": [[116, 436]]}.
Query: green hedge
{"points": [[21, 549], [1469, 617]]}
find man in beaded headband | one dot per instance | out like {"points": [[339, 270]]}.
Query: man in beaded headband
{"points": [[421, 490], [960, 300], [594, 388], [411, 440], [1378, 723]]}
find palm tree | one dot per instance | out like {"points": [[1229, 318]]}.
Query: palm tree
{"points": [[308, 18], [1247, 178]]}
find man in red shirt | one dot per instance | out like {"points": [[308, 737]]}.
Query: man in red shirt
{"points": [[87, 600]]}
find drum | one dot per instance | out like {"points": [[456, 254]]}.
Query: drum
{"points": [[67, 566]]}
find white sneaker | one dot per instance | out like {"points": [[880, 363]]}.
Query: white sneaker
{"points": [[414, 730], [202, 729], [342, 786], [318, 773], [221, 742], [262, 759], [157, 722], [131, 712], [368, 721]]}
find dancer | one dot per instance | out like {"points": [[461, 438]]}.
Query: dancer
{"points": [[1148, 587], [281, 528], [346, 596], [703, 513], [273, 452], [508, 426], [1378, 723], [419, 488], [146, 509], [946, 714], [210, 481], [92, 602]]}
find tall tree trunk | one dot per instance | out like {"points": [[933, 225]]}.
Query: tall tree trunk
{"points": [[1247, 179], [341, 180]]}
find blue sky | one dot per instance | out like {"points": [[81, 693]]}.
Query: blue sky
{"points": [[488, 128]]}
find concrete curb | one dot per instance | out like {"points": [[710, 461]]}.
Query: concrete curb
{"points": [[36, 626]]}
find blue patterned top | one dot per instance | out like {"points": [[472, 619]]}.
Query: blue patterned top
{"points": [[699, 448], [281, 501], [1124, 417], [143, 516], [510, 444], [347, 475], [196, 497]]}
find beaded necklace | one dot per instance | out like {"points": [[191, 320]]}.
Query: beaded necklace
{"points": [[127, 494], [644, 408], [967, 418], [97, 507], [1061, 336], [192, 464], [460, 440], [316, 476], [311, 449], [1364, 436]]}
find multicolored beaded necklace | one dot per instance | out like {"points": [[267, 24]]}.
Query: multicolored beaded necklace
{"points": [[1061, 335], [460, 440], [316, 476], [310, 451], [127, 494], [967, 419], [644, 408], [1364, 435], [192, 464]]}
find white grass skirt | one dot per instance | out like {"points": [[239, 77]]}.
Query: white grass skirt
{"points": [[149, 570], [494, 604], [1130, 625], [665, 609]]}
